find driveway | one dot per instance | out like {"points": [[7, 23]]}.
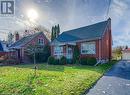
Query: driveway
{"points": [[115, 82]]}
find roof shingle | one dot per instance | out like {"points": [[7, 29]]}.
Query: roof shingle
{"points": [[24, 40], [88, 32]]}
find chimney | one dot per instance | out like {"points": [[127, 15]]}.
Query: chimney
{"points": [[16, 36], [109, 19]]}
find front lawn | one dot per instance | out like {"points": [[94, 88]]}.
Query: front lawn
{"points": [[50, 79]]}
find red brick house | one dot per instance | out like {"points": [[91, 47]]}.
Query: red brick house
{"points": [[93, 41], [21, 44]]}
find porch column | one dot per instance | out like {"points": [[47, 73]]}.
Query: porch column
{"points": [[65, 50]]}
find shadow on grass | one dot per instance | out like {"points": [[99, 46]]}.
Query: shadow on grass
{"points": [[42, 66], [61, 68], [101, 66]]}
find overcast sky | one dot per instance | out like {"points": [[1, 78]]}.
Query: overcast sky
{"points": [[72, 14]]}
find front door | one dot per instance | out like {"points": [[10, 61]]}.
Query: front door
{"points": [[69, 53]]}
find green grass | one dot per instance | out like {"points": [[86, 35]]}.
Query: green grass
{"points": [[50, 79]]}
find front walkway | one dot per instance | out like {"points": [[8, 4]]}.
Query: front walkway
{"points": [[114, 82]]}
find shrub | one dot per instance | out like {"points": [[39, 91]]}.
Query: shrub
{"points": [[76, 54], [83, 60], [63, 60], [56, 62], [46, 53], [69, 61], [1, 61], [51, 60], [88, 61], [91, 61]]}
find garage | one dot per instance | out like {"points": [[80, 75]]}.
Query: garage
{"points": [[126, 54]]}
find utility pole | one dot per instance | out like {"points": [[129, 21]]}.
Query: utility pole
{"points": [[35, 66]]}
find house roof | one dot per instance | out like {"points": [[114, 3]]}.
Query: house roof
{"points": [[1, 47], [24, 40], [94, 31]]}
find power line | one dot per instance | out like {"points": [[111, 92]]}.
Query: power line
{"points": [[108, 9]]}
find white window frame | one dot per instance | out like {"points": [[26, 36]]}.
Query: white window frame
{"points": [[88, 48], [41, 41], [58, 50]]}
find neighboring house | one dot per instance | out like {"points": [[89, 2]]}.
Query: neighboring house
{"points": [[1, 49], [93, 41], [126, 54], [21, 44], [4, 51]]}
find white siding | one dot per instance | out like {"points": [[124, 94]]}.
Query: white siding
{"points": [[126, 56]]}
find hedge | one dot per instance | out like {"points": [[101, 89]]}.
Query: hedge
{"points": [[54, 61], [88, 61], [91, 61], [51, 60], [63, 60]]}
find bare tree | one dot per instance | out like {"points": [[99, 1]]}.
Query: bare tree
{"points": [[10, 38], [32, 50]]}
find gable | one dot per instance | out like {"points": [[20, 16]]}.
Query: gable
{"points": [[35, 40], [26, 40]]}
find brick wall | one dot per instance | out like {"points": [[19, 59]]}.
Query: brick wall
{"points": [[90, 55], [106, 44]]}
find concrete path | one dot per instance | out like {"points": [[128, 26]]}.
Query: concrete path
{"points": [[114, 82]]}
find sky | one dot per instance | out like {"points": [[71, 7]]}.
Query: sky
{"points": [[71, 14]]}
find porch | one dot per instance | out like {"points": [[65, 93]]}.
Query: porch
{"points": [[63, 50], [18, 53]]}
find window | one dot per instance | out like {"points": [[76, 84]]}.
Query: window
{"points": [[40, 41], [58, 50], [69, 50], [88, 48]]}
